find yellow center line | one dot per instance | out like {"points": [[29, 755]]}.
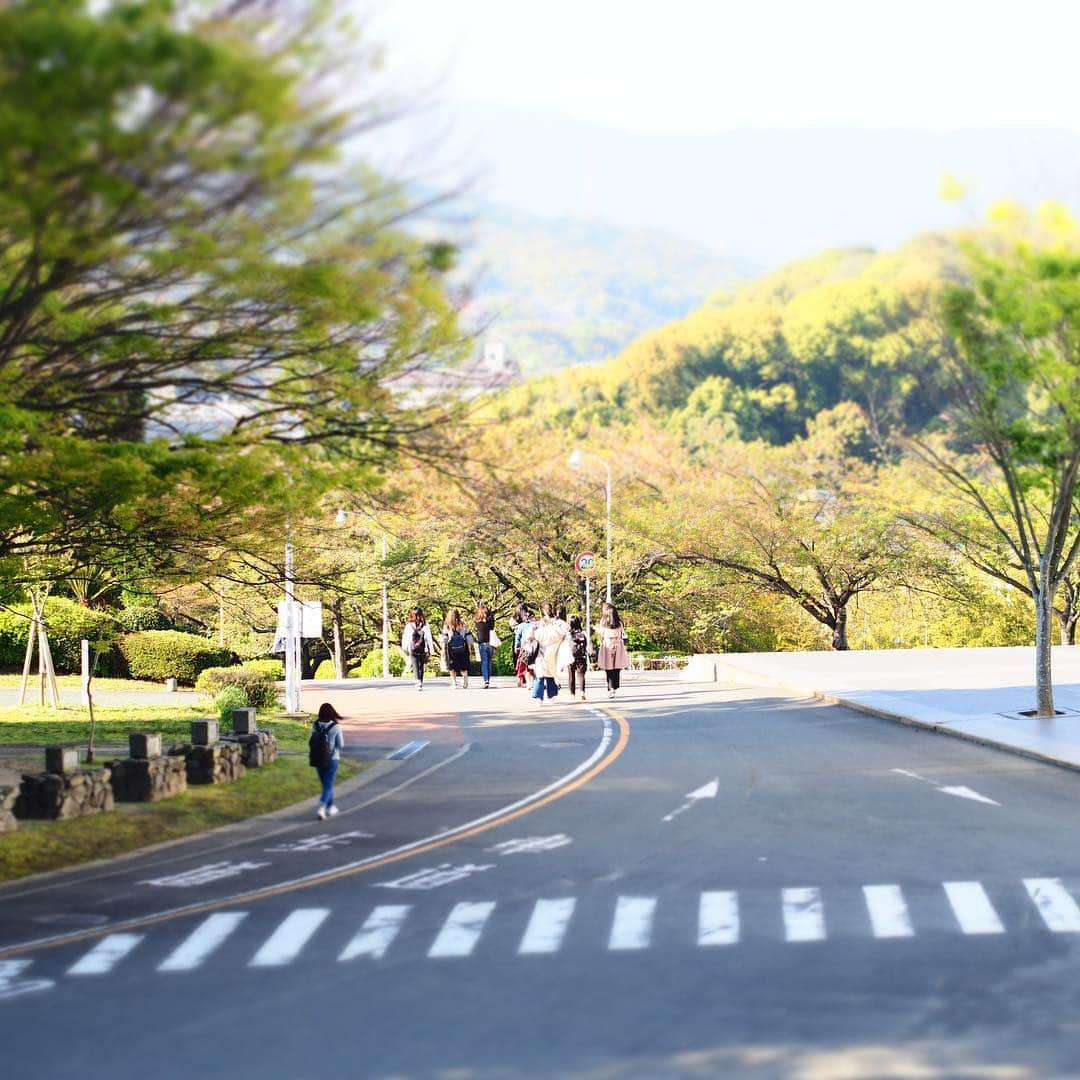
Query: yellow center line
{"points": [[335, 875]]}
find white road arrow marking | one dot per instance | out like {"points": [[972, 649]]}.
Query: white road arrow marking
{"points": [[959, 790], [706, 791]]}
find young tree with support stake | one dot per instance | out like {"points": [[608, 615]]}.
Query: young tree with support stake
{"points": [[1016, 368]]}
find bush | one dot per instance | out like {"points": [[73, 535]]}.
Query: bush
{"points": [[325, 670], [229, 698], [502, 663], [68, 623], [165, 654], [143, 617], [270, 669], [371, 666], [258, 689]]}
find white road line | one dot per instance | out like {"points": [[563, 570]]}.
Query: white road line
{"points": [[547, 926], [804, 916], [1056, 906], [718, 918], [284, 944], [462, 929], [888, 913], [632, 926], [202, 941], [105, 955], [378, 932], [972, 907]]}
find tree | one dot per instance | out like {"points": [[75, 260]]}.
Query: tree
{"points": [[1016, 375]]}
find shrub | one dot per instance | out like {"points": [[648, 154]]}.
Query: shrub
{"points": [[270, 669], [325, 670], [259, 689], [371, 666], [164, 654], [68, 623], [502, 663], [229, 698], [143, 617]]}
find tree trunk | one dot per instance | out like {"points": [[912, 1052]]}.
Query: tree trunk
{"points": [[1067, 619], [340, 671], [1044, 632], [839, 631]]}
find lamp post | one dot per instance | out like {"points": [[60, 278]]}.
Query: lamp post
{"points": [[576, 461], [292, 632]]}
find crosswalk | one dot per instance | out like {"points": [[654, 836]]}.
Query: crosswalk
{"points": [[798, 916]]}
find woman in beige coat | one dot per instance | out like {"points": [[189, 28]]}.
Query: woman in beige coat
{"points": [[612, 657], [549, 634]]}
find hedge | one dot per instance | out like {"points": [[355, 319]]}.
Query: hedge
{"points": [[502, 663], [68, 623], [270, 669], [371, 666], [166, 654], [260, 690]]}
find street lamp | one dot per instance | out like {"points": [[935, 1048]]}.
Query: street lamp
{"points": [[576, 462], [342, 517]]}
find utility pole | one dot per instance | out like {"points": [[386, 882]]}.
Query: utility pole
{"points": [[292, 633]]}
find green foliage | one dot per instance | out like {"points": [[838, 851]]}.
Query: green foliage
{"points": [[371, 667], [165, 654], [143, 617], [68, 623], [259, 689], [227, 699], [325, 670], [502, 662], [270, 669]]}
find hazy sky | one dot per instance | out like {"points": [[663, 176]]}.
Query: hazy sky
{"points": [[696, 65]]}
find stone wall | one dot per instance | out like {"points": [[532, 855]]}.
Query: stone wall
{"points": [[50, 795], [219, 764], [257, 749], [148, 779], [8, 795]]}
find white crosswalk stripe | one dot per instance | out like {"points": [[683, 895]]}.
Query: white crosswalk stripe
{"points": [[105, 955], [888, 912], [972, 908], [202, 941], [378, 932], [462, 930], [284, 944], [1057, 908], [723, 919], [718, 918], [632, 926], [804, 915], [547, 926]]}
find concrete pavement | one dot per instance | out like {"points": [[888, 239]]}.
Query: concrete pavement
{"points": [[978, 694]]}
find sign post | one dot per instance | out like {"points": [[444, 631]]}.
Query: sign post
{"points": [[585, 565]]}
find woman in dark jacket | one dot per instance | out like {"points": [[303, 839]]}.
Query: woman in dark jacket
{"points": [[485, 624]]}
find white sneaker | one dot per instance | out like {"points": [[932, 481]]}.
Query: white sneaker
{"points": [[419, 687], [321, 813], [611, 693], [465, 683], [332, 811]]}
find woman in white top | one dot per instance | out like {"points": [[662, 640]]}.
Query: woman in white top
{"points": [[417, 644]]}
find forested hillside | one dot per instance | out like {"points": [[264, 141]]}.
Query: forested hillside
{"points": [[558, 292]]}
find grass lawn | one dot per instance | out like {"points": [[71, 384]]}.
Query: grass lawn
{"points": [[74, 682], [49, 845], [34, 726]]}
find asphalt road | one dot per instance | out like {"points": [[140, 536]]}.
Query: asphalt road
{"points": [[540, 896]]}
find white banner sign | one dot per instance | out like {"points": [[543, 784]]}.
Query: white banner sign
{"points": [[310, 619]]}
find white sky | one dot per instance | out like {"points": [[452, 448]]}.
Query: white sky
{"points": [[700, 65]]}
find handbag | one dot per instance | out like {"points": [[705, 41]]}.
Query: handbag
{"points": [[494, 640]]}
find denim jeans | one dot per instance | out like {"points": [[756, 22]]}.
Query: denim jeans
{"points": [[486, 653], [326, 775], [544, 683]]}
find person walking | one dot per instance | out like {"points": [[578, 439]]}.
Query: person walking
{"points": [[417, 644], [549, 634], [612, 658], [487, 641], [522, 638], [457, 645], [324, 753], [579, 648]]}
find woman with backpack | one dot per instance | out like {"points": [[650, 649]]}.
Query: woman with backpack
{"points": [[612, 658], [457, 645], [579, 648], [324, 753], [523, 651], [486, 641], [417, 644]]}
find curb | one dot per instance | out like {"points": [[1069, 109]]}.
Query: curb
{"points": [[887, 714]]}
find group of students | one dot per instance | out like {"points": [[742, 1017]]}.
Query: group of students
{"points": [[544, 648]]}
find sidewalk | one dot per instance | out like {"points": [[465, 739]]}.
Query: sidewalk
{"points": [[970, 693]]}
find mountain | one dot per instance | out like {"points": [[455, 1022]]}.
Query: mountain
{"points": [[550, 293]]}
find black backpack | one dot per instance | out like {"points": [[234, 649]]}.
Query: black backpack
{"points": [[418, 645], [320, 748], [581, 647], [457, 649]]}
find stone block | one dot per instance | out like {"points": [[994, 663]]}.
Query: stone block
{"points": [[148, 779], [61, 759], [143, 744], [51, 796], [244, 722], [204, 732], [218, 764]]}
